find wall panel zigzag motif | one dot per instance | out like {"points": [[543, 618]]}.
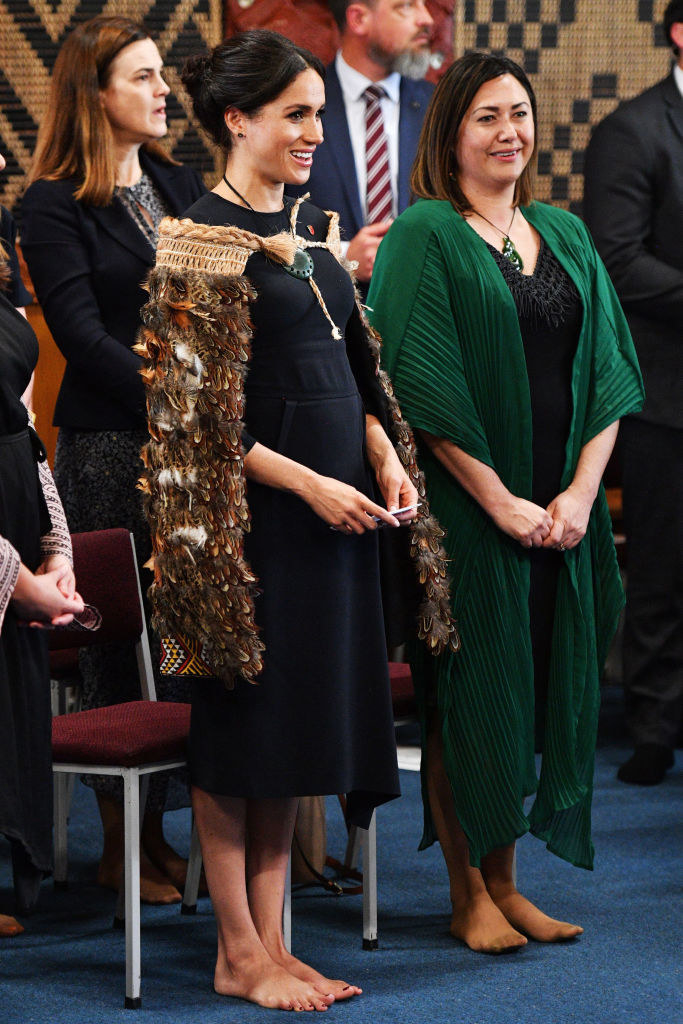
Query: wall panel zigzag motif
{"points": [[582, 56], [31, 32]]}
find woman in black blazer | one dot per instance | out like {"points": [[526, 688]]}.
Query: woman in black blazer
{"points": [[100, 184]]}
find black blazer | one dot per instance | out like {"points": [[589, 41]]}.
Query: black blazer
{"points": [[633, 205], [333, 183], [87, 264]]}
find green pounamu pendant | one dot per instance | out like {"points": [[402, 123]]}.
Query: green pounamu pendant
{"points": [[511, 254], [301, 266]]}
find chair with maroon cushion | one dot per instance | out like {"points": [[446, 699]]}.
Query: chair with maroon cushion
{"points": [[403, 699], [131, 740]]}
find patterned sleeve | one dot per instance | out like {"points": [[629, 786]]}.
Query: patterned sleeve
{"points": [[9, 571], [58, 540]]}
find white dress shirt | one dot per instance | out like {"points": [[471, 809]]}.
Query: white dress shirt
{"points": [[353, 85], [678, 77]]}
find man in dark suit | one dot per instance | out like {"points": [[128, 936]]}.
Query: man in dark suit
{"points": [[634, 207], [386, 43]]}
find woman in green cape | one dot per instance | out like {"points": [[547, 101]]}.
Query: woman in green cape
{"points": [[512, 361]]}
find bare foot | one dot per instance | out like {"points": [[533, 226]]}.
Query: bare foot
{"points": [[163, 856], [482, 927], [155, 888], [9, 926], [325, 986], [522, 914], [260, 980], [173, 866]]}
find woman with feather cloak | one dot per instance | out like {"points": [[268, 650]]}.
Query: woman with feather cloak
{"points": [[275, 607]]}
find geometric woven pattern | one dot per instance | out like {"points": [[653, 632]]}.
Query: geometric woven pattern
{"points": [[582, 57], [31, 32], [181, 656]]}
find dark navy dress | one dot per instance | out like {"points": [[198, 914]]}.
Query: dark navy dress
{"points": [[319, 719]]}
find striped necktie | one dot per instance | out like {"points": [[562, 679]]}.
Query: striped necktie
{"points": [[378, 191]]}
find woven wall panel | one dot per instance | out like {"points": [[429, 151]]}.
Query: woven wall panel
{"points": [[31, 32], [582, 56]]}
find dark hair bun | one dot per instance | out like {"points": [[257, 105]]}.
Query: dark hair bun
{"points": [[246, 71], [195, 72]]}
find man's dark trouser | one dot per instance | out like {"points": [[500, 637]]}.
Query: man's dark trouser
{"points": [[652, 457]]}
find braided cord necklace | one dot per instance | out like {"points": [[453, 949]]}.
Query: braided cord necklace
{"points": [[301, 266], [509, 250]]}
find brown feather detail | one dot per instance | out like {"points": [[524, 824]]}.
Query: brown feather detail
{"points": [[435, 622], [195, 344]]}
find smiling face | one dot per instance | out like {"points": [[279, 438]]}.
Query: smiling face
{"points": [[279, 140], [134, 98], [496, 137]]}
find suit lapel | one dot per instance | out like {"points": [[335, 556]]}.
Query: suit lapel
{"points": [[118, 223], [674, 105], [339, 147], [411, 116], [166, 178]]}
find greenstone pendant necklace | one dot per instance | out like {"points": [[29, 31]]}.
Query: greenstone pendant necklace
{"points": [[301, 266], [509, 250]]}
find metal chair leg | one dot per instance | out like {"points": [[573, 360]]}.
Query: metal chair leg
{"points": [[287, 908], [369, 847], [120, 912], [353, 847], [194, 870], [60, 817], [131, 826]]}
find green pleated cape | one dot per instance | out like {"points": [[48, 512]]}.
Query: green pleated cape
{"points": [[453, 348]]}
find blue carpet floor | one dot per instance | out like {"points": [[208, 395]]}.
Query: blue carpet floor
{"points": [[68, 966]]}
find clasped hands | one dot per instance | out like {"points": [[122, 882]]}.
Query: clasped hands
{"points": [[561, 525], [47, 597]]}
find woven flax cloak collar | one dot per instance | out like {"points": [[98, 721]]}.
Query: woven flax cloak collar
{"points": [[196, 345]]}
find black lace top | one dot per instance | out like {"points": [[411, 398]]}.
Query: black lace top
{"points": [[548, 295], [550, 316], [144, 193]]}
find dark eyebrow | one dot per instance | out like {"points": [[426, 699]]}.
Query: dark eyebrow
{"points": [[301, 106], [522, 103]]}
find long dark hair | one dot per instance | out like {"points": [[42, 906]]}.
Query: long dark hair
{"points": [[435, 171], [246, 72]]}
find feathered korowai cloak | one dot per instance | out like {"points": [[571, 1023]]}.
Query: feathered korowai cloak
{"points": [[196, 348]]}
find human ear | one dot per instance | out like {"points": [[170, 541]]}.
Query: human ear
{"points": [[357, 16], [235, 122]]}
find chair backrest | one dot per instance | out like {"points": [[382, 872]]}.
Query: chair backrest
{"points": [[107, 576]]}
